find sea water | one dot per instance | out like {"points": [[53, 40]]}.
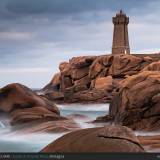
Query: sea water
{"points": [[13, 142]]}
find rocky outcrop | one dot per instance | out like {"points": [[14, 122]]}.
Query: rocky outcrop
{"points": [[105, 139], [94, 95], [155, 66], [78, 116], [106, 118], [137, 104], [26, 109], [49, 126], [94, 78]]}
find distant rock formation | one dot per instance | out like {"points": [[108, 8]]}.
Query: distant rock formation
{"points": [[105, 139], [94, 78]]}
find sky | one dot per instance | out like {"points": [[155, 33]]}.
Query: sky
{"points": [[35, 36]]}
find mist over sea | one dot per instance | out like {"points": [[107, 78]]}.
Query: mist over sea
{"points": [[15, 142], [11, 141]]}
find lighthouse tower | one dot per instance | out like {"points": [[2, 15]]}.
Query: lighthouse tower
{"points": [[120, 36]]}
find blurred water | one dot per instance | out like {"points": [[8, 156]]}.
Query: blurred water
{"points": [[12, 142], [26, 143], [81, 113], [90, 110]]}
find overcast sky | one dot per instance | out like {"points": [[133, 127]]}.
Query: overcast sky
{"points": [[36, 35]]}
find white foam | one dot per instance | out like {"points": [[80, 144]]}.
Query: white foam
{"points": [[40, 93], [2, 125], [142, 133], [84, 107]]}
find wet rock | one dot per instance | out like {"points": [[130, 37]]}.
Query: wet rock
{"points": [[104, 139]]}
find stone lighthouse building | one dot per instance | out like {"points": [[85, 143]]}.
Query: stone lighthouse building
{"points": [[120, 36]]}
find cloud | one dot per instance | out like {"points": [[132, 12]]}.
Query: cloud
{"points": [[69, 6], [16, 35], [31, 77], [24, 70], [42, 33]]}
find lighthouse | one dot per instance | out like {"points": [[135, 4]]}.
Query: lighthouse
{"points": [[120, 43]]}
